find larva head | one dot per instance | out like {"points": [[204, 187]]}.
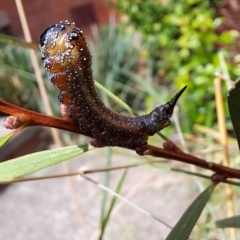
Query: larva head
{"points": [[63, 45]]}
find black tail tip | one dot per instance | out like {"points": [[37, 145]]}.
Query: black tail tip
{"points": [[178, 95]]}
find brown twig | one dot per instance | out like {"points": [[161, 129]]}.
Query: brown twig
{"points": [[34, 118], [188, 158]]}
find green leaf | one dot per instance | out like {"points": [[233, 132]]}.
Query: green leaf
{"points": [[112, 204], [234, 108], [184, 226], [114, 97], [5, 139], [20, 166], [106, 182], [232, 222]]}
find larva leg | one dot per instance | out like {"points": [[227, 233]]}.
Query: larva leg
{"points": [[140, 141], [83, 124], [96, 143], [59, 80], [63, 110], [141, 150], [66, 111], [98, 137]]}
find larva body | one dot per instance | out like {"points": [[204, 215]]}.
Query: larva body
{"points": [[66, 57]]}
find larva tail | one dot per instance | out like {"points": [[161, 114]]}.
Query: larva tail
{"points": [[174, 100], [160, 116]]}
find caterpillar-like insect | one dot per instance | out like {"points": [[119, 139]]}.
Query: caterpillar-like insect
{"points": [[66, 57]]}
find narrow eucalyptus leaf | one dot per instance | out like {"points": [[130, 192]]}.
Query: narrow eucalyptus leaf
{"points": [[5, 139], [232, 222], [186, 223], [20, 166], [112, 203], [234, 108]]}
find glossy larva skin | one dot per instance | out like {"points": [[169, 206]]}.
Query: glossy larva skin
{"points": [[66, 57]]}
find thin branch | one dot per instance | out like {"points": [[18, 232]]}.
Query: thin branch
{"points": [[227, 172], [35, 118]]}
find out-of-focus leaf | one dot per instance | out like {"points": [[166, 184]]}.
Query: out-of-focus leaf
{"points": [[232, 222], [20, 166], [115, 55], [112, 204], [17, 42], [114, 97], [184, 226], [5, 139], [234, 108]]}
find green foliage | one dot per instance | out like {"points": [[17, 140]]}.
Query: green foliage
{"points": [[20, 166], [184, 46], [229, 222], [114, 59], [17, 79], [5, 139]]}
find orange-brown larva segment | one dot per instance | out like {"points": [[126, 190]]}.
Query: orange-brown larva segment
{"points": [[68, 111], [66, 98], [59, 79]]}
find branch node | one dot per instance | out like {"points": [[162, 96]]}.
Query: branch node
{"points": [[15, 122], [216, 178]]}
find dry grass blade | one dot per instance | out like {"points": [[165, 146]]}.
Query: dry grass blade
{"points": [[224, 143], [44, 96]]}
